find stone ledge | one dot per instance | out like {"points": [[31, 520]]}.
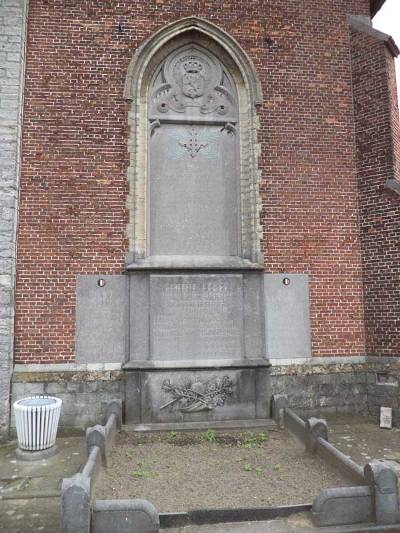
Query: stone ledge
{"points": [[177, 262], [67, 367], [149, 365], [333, 365], [64, 376], [331, 360]]}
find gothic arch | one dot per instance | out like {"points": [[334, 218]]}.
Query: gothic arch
{"points": [[141, 72]]}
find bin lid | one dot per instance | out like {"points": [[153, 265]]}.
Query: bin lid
{"points": [[37, 402]]}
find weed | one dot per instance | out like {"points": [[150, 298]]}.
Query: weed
{"points": [[171, 438], [210, 435], [141, 474], [248, 467], [252, 441], [277, 467]]}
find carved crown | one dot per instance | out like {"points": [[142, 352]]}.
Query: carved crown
{"points": [[192, 65]]}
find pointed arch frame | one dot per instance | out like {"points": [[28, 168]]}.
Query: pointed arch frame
{"points": [[140, 72]]}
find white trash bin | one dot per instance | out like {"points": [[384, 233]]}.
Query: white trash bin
{"points": [[36, 419]]}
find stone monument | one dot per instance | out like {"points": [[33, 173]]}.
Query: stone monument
{"points": [[197, 335], [187, 318]]}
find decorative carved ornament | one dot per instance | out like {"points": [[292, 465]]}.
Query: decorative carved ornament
{"points": [[198, 396], [192, 79], [192, 145]]}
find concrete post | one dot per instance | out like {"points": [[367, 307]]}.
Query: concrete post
{"points": [[75, 505], [96, 436], [315, 428], [382, 480], [279, 404], [115, 407]]}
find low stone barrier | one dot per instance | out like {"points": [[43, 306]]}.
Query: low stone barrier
{"points": [[374, 499], [121, 516], [80, 512], [340, 461]]}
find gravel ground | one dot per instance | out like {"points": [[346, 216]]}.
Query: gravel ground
{"points": [[362, 439], [183, 471]]}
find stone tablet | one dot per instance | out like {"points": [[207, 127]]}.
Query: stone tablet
{"points": [[101, 319], [194, 191], [196, 316]]}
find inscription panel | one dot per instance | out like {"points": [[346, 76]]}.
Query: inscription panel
{"points": [[196, 316], [194, 206]]}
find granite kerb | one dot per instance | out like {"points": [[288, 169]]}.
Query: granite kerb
{"points": [[80, 511], [78, 491], [375, 497], [313, 433]]}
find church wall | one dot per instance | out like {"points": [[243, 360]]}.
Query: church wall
{"points": [[377, 141], [73, 215]]}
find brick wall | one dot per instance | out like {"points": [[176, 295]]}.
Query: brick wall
{"points": [[377, 135], [73, 213]]}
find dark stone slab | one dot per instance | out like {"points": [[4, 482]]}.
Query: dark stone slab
{"points": [[166, 396], [196, 316], [215, 516]]}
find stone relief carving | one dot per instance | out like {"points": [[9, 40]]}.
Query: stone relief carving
{"points": [[146, 78], [199, 396], [192, 145], [192, 79]]}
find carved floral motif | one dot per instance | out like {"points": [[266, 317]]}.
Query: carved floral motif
{"points": [[199, 396]]}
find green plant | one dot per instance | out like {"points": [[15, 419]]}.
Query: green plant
{"points": [[210, 435], [140, 474], [248, 467], [277, 467], [261, 437], [249, 440], [171, 437]]}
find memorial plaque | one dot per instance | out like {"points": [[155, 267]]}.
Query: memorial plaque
{"points": [[386, 418], [196, 316], [194, 193]]}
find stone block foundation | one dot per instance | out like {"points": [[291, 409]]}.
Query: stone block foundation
{"points": [[315, 386]]}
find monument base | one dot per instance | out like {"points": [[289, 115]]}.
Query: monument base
{"points": [[183, 395]]}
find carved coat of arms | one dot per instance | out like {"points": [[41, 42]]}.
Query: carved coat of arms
{"points": [[193, 82]]}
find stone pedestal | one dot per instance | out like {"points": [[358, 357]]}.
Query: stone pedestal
{"points": [[197, 346]]}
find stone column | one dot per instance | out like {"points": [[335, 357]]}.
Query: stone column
{"points": [[13, 16]]}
